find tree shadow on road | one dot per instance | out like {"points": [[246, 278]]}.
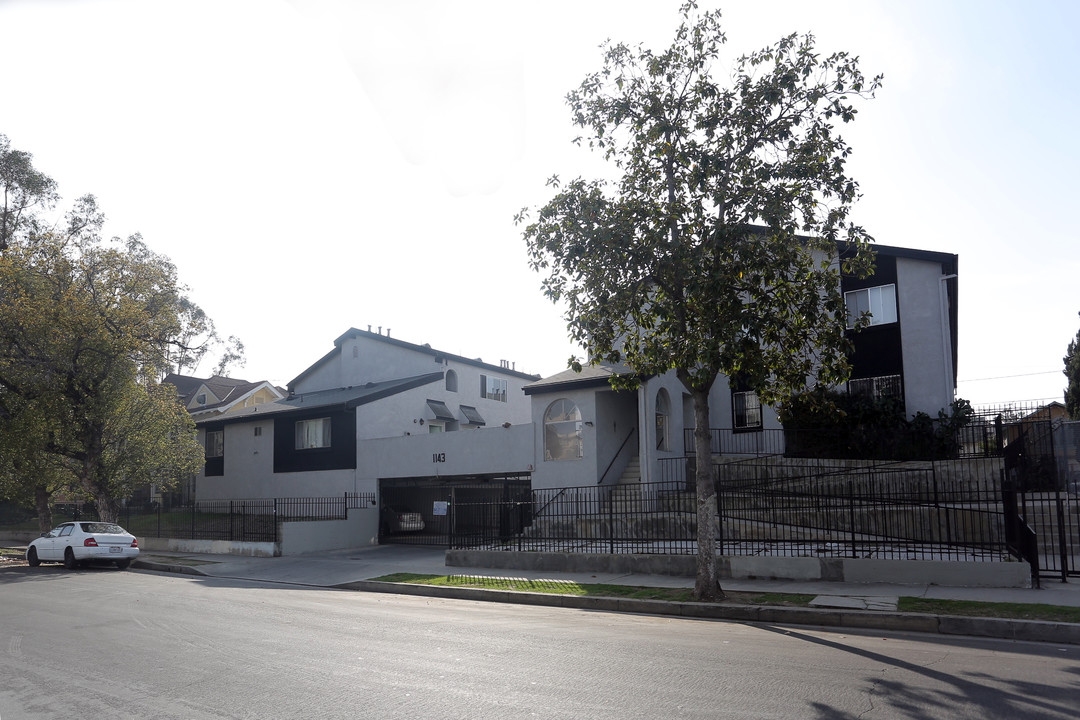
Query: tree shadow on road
{"points": [[974, 694]]}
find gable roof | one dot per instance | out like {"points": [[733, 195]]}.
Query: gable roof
{"points": [[425, 349], [591, 376], [347, 398], [227, 391]]}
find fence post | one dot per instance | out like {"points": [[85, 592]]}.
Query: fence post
{"points": [[276, 538], [851, 515], [191, 533], [611, 521], [159, 520], [230, 520]]}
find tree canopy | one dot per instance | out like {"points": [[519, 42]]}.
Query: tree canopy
{"points": [[87, 328], [717, 250], [1072, 372]]}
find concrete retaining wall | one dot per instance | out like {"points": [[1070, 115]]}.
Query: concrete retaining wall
{"points": [[858, 570], [213, 547], [361, 528]]}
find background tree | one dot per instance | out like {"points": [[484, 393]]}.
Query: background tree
{"points": [[716, 249], [23, 189], [1072, 372], [85, 328]]}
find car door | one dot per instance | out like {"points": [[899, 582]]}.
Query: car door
{"points": [[46, 547], [63, 540]]}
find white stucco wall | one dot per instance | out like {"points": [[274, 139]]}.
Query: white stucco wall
{"points": [[566, 473], [485, 451], [927, 352]]}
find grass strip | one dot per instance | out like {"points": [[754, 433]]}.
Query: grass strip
{"points": [[965, 608], [974, 608], [567, 587]]}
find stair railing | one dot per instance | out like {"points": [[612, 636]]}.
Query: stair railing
{"points": [[616, 456]]}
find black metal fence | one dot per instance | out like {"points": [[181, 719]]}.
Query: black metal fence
{"points": [[788, 511], [252, 520]]}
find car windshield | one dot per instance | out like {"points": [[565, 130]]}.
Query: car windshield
{"points": [[98, 528]]}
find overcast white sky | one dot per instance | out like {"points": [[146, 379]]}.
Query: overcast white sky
{"points": [[312, 166]]}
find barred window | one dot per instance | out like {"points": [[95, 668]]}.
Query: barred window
{"points": [[877, 387]]}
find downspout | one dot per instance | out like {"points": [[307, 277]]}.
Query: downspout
{"points": [[946, 339]]}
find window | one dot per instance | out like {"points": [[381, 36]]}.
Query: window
{"points": [[451, 381], [493, 388], [746, 408], [312, 434], [880, 302], [877, 387], [215, 443], [201, 399], [662, 413], [434, 428], [258, 431], [562, 431]]}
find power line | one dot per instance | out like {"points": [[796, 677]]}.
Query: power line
{"points": [[1006, 377]]}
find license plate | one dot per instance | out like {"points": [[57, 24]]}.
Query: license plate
{"points": [[116, 549]]}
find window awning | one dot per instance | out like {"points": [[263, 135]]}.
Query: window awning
{"points": [[472, 415], [441, 411]]}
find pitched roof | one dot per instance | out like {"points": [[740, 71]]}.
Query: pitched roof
{"points": [[591, 376], [346, 398], [425, 349]]}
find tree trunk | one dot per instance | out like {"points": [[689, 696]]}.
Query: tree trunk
{"points": [[707, 587], [44, 512]]}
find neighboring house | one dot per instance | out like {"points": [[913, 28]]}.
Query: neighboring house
{"points": [[373, 410], [219, 395], [377, 413]]}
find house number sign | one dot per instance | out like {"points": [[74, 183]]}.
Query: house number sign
{"points": [[438, 457]]}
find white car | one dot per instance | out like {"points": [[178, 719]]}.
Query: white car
{"points": [[76, 543]]}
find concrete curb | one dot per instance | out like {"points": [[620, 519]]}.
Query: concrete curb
{"points": [[166, 567], [998, 628]]}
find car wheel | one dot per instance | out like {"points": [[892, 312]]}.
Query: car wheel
{"points": [[123, 564], [69, 559], [32, 558]]}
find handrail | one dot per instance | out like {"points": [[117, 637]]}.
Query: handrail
{"points": [[616, 456]]}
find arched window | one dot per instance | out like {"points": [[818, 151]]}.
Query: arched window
{"points": [[562, 431], [663, 412], [451, 381]]}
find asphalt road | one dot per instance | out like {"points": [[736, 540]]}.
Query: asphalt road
{"points": [[125, 644]]}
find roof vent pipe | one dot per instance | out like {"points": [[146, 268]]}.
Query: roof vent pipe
{"points": [[387, 332], [380, 329]]}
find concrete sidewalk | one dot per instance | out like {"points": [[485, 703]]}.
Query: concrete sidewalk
{"points": [[837, 604]]}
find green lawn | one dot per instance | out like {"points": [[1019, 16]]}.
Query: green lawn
{"points": [[967, 608]]}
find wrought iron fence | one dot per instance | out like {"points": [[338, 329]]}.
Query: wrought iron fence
{"points": [[250, 520], [898, 513]]}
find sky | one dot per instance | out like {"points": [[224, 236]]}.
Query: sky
{"points": [[316, 165]]}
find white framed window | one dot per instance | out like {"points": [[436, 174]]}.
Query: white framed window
{"points": [[562, 431], [215, 443], [312, 434], [493, 388], [879, 301], [746, 410]]}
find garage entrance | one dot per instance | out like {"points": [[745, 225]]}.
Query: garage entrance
{"points": [[432, 510]]}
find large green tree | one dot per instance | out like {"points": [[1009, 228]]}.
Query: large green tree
{"points": [[715, 249], [23, 190], [86, 330], [1072, 372]]}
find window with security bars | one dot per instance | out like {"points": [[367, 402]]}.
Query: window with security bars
{"points": [[747, 410], [882, 386]]}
